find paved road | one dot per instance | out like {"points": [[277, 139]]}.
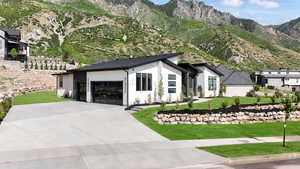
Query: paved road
{"points": [[75, 135], [285, 164]]}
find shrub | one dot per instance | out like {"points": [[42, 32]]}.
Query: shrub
{"points": [[177, 105], [162, 106], [2, 107], [200, 90], [258, 99], [237, 101], [297, 94], [273, 99], [61, 67], [42, 67], [51, 67], [271, 87], [266, 94], [224, 104], [256, 88], [36, 66], [278, 93], [55, 67], [209, 105], [65, 67], [26, 65], [251, 93], [31, 65], [191, 102]]}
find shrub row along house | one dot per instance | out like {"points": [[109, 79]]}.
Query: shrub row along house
{"points": [[12, 46], [144, 80]]}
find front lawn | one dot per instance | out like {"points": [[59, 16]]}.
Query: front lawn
{"points": [[39, 97], [243, 150], [209, 131]]}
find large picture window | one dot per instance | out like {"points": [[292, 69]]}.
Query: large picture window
{"points": [[143, 82], [212, 83], [171, 83]]}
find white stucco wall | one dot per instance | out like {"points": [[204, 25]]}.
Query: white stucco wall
{"points": [[2, 46], [202, 80], [237, 90], [156, 69], [101, 76], [274, 82], [67, 89], [292, 81]]}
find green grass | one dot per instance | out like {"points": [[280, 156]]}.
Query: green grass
{"points": [[243, 150], [39, 97], [209, 131]]}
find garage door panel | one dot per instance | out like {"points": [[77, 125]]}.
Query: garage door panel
{"points": [[108, 92]]}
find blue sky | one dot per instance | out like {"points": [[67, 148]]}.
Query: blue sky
{"points": [[265, 12]]}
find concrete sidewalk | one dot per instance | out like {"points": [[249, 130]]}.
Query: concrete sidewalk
{"points": [[230, 141]]}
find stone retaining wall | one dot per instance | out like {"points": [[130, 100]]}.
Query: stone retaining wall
{"points": [[243, 115]]}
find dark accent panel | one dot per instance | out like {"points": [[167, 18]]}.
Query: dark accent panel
{"points": [[108, 92], [79, 86]]}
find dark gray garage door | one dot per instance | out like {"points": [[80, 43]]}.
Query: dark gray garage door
{"points": [[107, 92]]}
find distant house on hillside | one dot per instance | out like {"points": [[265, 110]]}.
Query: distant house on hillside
{"points": [[281, 79], [11, 40]]}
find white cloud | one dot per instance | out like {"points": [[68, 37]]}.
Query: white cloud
{"points": [[233, 3], [266, 3]]}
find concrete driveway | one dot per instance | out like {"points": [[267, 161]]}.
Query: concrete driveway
{"points": [[76, 135]]}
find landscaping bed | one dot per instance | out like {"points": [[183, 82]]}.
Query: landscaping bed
{"points": [[244, 150], [241, 114], [5, 105]]}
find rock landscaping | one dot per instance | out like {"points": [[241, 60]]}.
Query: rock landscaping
{"points": [[243, 114]]}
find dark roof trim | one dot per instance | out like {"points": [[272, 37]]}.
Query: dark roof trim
{"points": [[62, 73], [210, 67], [166, 61], [124, 64]]}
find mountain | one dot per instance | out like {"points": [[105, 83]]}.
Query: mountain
{"points": [[291, 28], [92, 30]]}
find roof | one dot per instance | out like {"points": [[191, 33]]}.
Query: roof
{"points": [[190, 68], [166, 61], [127, 63], [223, 69], [210, 67], [238, 78], [12, 32], [281, 76]]}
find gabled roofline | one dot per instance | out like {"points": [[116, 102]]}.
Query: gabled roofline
{"points": [[166, 61], [191, 66], [171, 55], [210, 67]]}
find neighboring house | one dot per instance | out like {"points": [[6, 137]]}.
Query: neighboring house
{"points": [[11, 39], [281, 79], [125, 81], [236, 83]]}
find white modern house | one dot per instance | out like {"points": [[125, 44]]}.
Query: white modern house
{"points": [[125, 81], [282, 79], [11, 39]]}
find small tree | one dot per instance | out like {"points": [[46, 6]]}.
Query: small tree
{"points": [[36, 66], [13, 53], [200, 90], [209, 105], [177, 105], [55, 67], [297, 94], [237, 101], [288, 109], [191, 102], [31, 65], [51, 67], [162, 106], [61, 67], [273, 99], [161, 88], [256, 88], [65, 67], [222, 90], [224, 104], [42, 67], [258, 99], [278, 94], [46, 66], [26, 65]]}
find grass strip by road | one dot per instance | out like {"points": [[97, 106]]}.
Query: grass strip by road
{"points": [[39, 97], [210, 131], [245, 150]]}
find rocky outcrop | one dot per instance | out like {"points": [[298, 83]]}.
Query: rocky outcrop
{"points": [[244, 115]]}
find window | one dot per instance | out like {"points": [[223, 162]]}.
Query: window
{"points": [[138, 82], [143, 82], [212, 83], [149, 82], [171, 83], [60, 81]]}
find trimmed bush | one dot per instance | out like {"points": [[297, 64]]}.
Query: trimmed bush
{"points": [[251, 93], [256, 88], [258, 99], [297, 94], [273, 99], [225, 104], [278, 94], [237, 101]]}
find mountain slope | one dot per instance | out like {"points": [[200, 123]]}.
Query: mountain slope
{"points": [[84, 31], [291, 28]]}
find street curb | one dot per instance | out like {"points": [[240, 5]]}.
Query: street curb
{"points": [[262, 158]]}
